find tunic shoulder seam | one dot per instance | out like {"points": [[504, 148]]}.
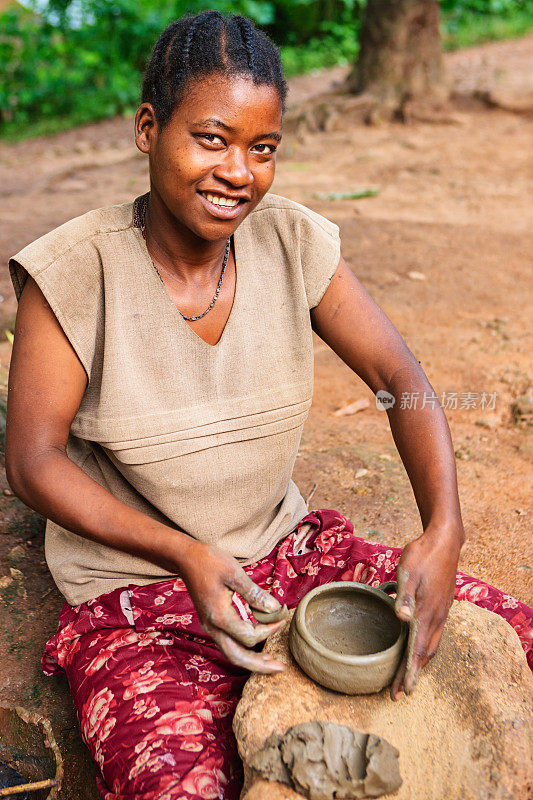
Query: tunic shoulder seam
{"points": [[24, 256], [314, 216]]}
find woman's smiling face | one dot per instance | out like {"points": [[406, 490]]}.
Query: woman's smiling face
{"points": [[212, 163]]}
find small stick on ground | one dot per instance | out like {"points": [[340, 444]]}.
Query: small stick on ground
{"points": [[313, 490], [28, 787]]}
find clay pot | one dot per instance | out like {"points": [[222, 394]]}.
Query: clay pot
{"points": [[347, 637]]}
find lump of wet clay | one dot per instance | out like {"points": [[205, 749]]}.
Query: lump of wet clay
{"points": [[324, 761]]}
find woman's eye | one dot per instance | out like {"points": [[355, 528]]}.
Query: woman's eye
{"points": [[211, 138], [265, 149]]}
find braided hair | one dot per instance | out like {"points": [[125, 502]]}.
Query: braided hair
{"points": [[200, 44]]}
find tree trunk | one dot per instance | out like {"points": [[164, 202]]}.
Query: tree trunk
{"points": [[400, 57]]}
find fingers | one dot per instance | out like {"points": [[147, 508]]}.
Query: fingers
{"points": [[405, 596], [434, 644], [426, 581], [245, 632], [423, 645], [228, 621], [407, 675], [235, 636], [213, 600], [416, 653], [242, 657], [276, 616], [397, 684], [252, 593]]}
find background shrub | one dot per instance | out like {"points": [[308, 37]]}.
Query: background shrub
{"points": [[73, 61]]}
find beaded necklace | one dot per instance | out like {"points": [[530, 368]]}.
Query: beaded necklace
{"points": [[139, 220]]}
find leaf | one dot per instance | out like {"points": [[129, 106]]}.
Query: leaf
{"points": [[354, 194], [352, 408], [9, 336]]}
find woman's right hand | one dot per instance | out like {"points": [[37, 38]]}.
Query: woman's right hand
{"points": [[211, 577]]}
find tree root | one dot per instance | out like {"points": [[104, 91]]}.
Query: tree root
{"points": [[330, 111], [522, 106]]}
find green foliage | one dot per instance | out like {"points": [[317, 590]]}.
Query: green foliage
{"points": [[82, 60], [336, 43], [485, 8], [354, 194], [52, 71], [469, 22]]}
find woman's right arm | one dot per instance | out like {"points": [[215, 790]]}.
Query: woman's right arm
{"points": [[46, 385]]}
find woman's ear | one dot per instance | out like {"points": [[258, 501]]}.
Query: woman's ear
{"points": [[145, 127]]}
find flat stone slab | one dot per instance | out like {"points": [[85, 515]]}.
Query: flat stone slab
{"points": [[466, 733]]}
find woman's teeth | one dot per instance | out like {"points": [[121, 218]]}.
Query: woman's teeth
{"points": [[220, 201]]}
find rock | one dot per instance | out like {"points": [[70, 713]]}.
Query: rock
{"points": [[522, 410], [69, 185], [5, 581], [16, 554], [361, 473], [463, 454], [465, 733], [82, 147], [491, 423], [391, 277], [416, 276]]}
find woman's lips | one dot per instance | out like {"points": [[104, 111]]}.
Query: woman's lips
{"points": [[222, 212]]}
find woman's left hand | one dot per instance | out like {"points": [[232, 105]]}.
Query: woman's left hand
{"points": [[426, 582]]}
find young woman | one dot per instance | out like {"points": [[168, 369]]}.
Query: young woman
{"points": [[162, 372]]}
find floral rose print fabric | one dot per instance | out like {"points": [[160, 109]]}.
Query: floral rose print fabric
{"points": [[155, 697]]}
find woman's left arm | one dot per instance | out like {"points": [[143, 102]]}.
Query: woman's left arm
{"points": [[351, 323]]}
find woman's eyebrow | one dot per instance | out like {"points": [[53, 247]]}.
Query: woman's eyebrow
{"points": [[272, 135], [217, 123]]}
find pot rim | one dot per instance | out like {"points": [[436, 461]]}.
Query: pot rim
{"points": [[331, 655]]}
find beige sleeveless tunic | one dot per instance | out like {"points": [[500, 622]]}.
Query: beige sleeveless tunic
{"points": [[200, 437]]}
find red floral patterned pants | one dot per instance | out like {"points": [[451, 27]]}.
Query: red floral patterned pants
{"points": [[155, 698]]}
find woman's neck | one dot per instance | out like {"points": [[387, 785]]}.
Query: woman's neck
{"points": [[180, 252]]}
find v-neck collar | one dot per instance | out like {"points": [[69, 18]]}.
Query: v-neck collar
{"points": [[163, 289]]}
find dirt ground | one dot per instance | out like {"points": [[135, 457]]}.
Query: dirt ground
{"points": [[444, 247]]}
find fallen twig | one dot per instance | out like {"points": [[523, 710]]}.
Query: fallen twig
{"points": [[313, 490], [28, 787], [352, 408]]}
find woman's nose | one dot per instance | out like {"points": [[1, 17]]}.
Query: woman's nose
{"points": [[234, 168]]}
